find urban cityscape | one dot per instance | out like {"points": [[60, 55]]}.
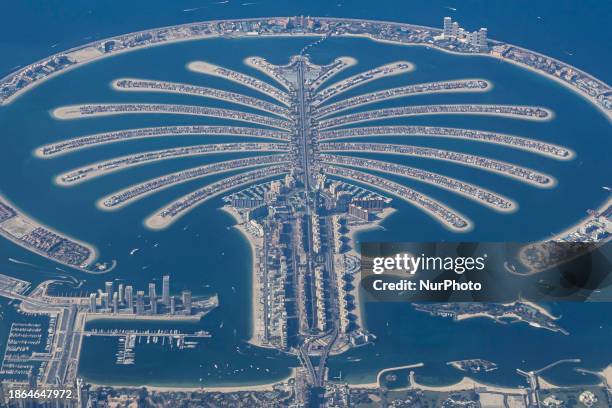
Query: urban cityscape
{"points": [[299, 198]]}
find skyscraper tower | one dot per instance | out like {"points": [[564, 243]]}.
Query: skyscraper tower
{"points": [[140, 302], [105, 304], [166, 290], [153, 306], [121, 292], [108, 289], [172, 305], [186, 298], [92, 303], [482, 38], [448, 27], [115, 302], [152, 294], [455, 30], [129, 293]]}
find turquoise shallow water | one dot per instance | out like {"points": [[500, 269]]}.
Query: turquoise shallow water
{"points": [[203, 253]]}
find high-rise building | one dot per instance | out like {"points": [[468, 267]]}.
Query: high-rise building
{"points": [[482, 38], [129, 293], [105, 304], [140, 302], [359, 212], [448, 27], [108, 288], [186, 298], [115, 302], [166, 290], [153, 305], [172, 305], [152, 294], [92, 303], [121, 292], [455, 29]]}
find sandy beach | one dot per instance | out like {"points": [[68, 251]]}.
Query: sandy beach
{"points": [[100, 203], [102, 168], [352, 234], [365, 102], [391, 69], [607, 374], [229, 388], [552, 182], [156, 221], [256, 310], [451, 184], [468, 384], [114, 109], [14, 228], [207, 68]]}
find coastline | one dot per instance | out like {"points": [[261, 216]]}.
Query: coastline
{"points": [[102, 168], [551, 183], [591, 100], [353, 232], [90, 317], [469, 225], [92, 46], [154, 132], [489, 87], [206, 68], [458, 190], [468, 383], [100, 203], [114, 85], [577, 225], [70, 112], [24, 218], [229, 388], [409, 115], [156, 221], [571, 154], [256, 313]]}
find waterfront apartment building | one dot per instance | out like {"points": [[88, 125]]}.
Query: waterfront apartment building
{"points": [[120, 291], [186, 298], [129, 293], [166, 290], [108, 288], [359, 212], [140, 302], [152, 294], [92, 303]]}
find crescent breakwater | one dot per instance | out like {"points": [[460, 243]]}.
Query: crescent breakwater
{"points": [[594, 90], [43, 240], [71, 145], [93, 110]]}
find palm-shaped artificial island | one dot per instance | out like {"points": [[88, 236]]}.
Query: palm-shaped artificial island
{"points": [[302, 192]]}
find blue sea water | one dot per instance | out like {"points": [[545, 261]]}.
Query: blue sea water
{"points": [[192, 252]]}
